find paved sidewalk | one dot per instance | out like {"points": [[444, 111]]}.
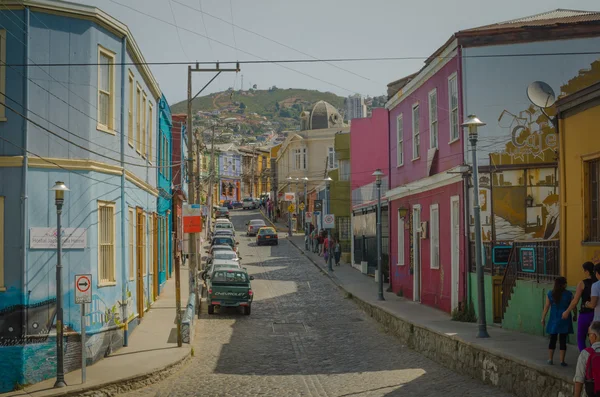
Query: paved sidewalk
{"points": [[152, 354], [526, 349]]}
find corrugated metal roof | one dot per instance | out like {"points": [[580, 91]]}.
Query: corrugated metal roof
{"points": [[554, 17]]}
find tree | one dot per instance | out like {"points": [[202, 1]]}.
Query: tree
{"points": [[242, 105], [277, 107]]}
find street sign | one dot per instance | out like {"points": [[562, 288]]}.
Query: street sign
{"points": [[318, 205], [291, 208], [83, 288], [329, 221], [192, 218], [301, 206], [308, 217], [290, 197]]}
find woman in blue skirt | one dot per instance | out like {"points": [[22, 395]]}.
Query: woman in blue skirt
{"points": [[558, 300]]}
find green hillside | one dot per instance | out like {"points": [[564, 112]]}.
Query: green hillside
{"points": [[269, 103]]}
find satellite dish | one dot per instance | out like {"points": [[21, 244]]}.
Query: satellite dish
{"points": [[541, 94]]}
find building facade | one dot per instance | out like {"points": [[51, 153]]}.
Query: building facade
{"points": [[165, 194], [230, 171], [578, 114], [355, 107], [425, 193], [95, 129], [369, 136]]}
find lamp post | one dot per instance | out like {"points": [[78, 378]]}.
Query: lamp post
{"points": [[472, 124], [59, 189], [289, 179], [378, 174], [328, 198], [306, 229]]}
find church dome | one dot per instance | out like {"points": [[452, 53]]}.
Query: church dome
{"points": [[324, 115]]}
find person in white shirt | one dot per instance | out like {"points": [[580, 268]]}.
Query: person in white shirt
{"points": [[580, 370]]}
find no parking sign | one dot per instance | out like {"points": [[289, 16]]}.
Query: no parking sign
{"points": [[329, 221]]}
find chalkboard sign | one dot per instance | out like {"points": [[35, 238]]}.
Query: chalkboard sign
{"points": [[528, 260], [501, 254]]}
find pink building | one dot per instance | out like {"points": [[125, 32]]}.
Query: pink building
{"points": [[369, 151], [427, 245]]}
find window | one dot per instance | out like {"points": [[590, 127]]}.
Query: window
{"points": [[303, 160], [433, 120], [2, 287], [332, 162], [2, 84], [106, 80], [144, 124], [298, 159], [344, 170], [416, 137], [138, 113], [264, 161], [593, 200], [106, 243], [150, 133], [400, 140], [130, 111], [150, 237], [434, 236], [131, 232], [400, 240], [453, 106]]}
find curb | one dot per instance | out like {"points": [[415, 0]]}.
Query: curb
{"points": [[379, 313], [114, 387]]}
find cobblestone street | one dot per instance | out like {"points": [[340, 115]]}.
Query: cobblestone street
{"points": [[304, 338]]}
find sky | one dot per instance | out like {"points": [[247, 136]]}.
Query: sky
{"points": [[176, 31]]}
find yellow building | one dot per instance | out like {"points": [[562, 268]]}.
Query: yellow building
{"points": [[579, 139]]}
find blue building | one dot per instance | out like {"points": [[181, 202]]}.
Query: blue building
{"points": [[230, 172], [165, 196], [94, 127]]}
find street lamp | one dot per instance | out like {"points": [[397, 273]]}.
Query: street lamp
{"points": [[472, 124], [59, 189], [289, 179], [378, 174], [328, 198], [306, 229]]}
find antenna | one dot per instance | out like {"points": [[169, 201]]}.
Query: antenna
{"points": [[542, 95]]}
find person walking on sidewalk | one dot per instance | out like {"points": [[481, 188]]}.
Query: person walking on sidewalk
{"points": [[558, 300], [326, 251], [315, 239], [337, 251], [582, 379], [586, 316]]}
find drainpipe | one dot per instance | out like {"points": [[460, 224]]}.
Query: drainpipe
{"points": [[24, 170], [389, 207], [123, 206]]}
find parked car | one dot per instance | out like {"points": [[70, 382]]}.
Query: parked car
{"points": [[225, 240], [228, 204], [222, 212], [229, 288], [223, 232], [224, 225], [229, 255], [267, 235], [249, 204], [237, 204], [253, 226]]}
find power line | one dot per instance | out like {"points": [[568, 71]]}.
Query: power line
{"points": [[232, 27], [177, 30], [263, 61]]}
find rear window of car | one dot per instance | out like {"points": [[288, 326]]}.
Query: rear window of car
{"points": [[256, 223], [267, 230], [223, 225], [223, 209], [247, 199], [227, 255], [222, 241], [229, 276]]}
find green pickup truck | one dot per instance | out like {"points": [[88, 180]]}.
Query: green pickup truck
{"points": [[229, 288]]}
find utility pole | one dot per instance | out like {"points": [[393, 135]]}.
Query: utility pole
{"points": [[210, 180], [252, 175], [191, 177]]}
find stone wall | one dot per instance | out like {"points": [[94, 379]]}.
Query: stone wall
{"points": [[475, 361]]}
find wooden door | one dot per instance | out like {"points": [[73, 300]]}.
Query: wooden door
{"points": [[140, 236], [155, 256]]}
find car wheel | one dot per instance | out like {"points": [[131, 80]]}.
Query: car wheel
{"points": [[247, 310], [211, 309], [276, 242]]}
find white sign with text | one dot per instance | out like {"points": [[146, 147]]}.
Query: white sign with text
{"points": [[46, 238]]}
